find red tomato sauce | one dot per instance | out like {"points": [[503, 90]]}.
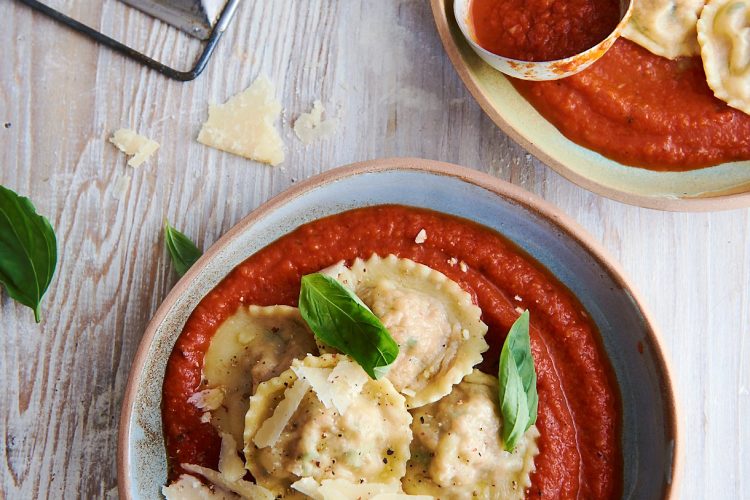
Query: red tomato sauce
{"points": [[644, 110], [579, 407], [542, 30]]}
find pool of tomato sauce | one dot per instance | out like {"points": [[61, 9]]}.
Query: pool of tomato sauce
{"points": [[579, 407], [542, 30], [644, 110]]}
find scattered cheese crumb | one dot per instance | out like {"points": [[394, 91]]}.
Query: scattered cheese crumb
{"points": [[208, 399], [462, 265], [206, 418], [244, 124], [310, 127], [518, 298], [421, 237], [453, 261], [520, 310], [132, 144], [271, 429]]}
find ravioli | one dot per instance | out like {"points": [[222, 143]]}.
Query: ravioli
{"points": [[457, 452], [437, 326], [724, 37], [665, 27], [251, 346], [369, 443]]}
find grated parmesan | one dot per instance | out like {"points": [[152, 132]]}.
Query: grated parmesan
{"points": [[421, 237]]}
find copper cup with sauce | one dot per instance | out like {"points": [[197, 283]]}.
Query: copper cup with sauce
{"points": [[540, 69]]}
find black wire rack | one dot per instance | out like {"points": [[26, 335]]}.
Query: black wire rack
{"points": [[222, 23]]}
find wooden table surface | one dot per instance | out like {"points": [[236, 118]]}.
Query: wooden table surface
{"points": [[380, 68]]}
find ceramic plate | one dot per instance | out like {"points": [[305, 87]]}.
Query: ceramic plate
{"points": [[649, 436], [721, 187]]}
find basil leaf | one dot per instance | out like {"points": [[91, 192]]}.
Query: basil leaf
{"points": [[341, 320], [28, 250], [184, 253], [518, 395]]}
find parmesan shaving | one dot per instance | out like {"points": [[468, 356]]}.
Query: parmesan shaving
{"points": [[190, 488], [132, 144], [207, 399], [335, 387], [230, 463], [244, 489], [244, 124], [271, 429], [318, 380], [421, 237], [310, 127], [347, 379]]}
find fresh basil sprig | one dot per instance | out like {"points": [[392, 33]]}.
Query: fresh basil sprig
{"points": [[184, 253], [28, 250], [341, 320], [518, 397]]}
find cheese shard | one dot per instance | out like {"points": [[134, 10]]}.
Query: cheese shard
{"points": [[207, 399], [132, 144], [335, 387], [230, 463], [188, 487], [310, 127], [318, 380], [271, 429], [347, 380], [245, 489], [244, 124]]}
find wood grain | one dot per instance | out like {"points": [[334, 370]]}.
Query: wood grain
{"points": [[380, 68]]}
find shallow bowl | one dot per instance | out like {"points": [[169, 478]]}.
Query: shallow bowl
{"points": [[721, 187], [649, 429], [541, 70]]}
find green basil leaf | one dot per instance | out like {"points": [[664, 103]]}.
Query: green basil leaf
{"points": [[341, 320], [28, 250], [184, 253], [518, 395]]}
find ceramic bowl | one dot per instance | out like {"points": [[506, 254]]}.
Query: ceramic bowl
{"points": [[541, 70], [721, 187], [649, 428]]}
